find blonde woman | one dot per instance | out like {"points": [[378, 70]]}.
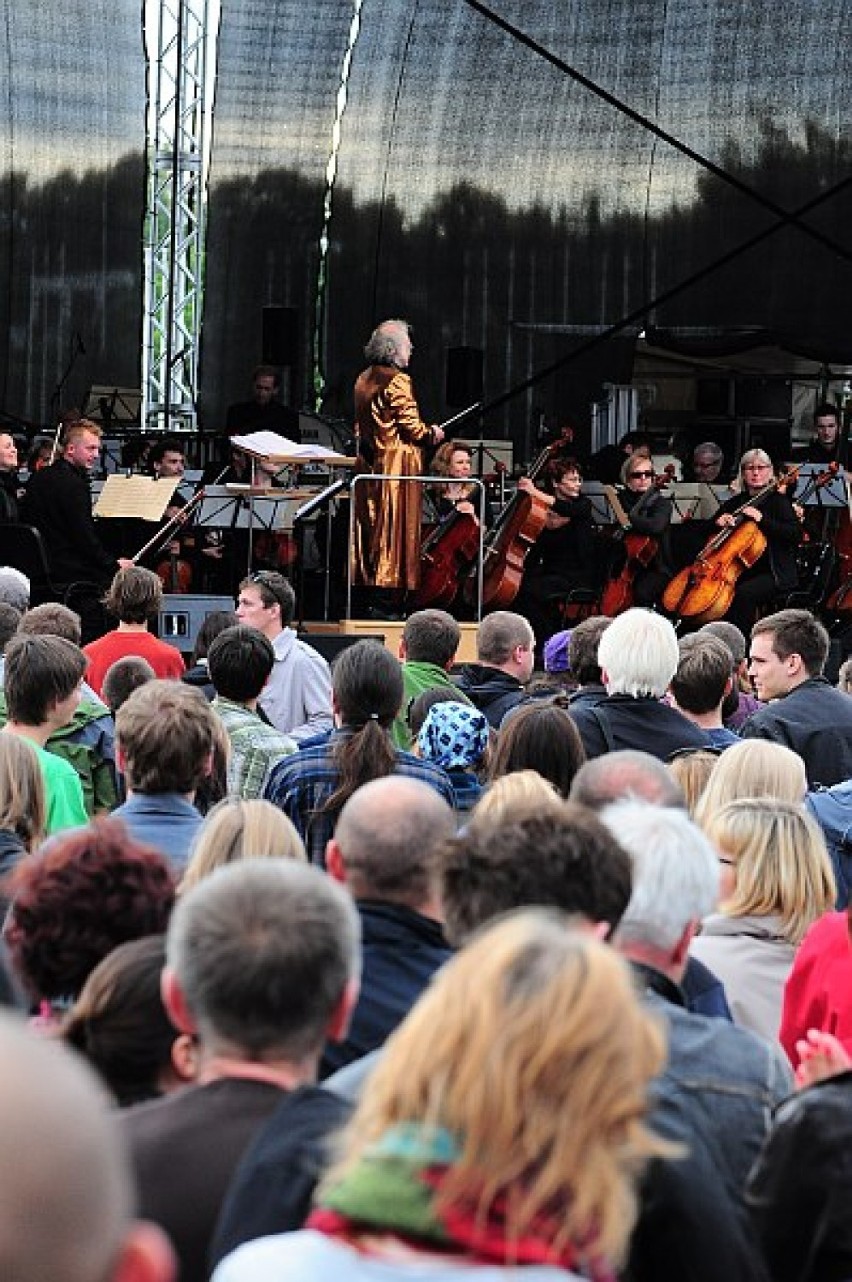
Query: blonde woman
{"points": [[753, 768], [22, 801], [775, 881], [523, 792], [502, 1132], [692, 770], [238, 829]]}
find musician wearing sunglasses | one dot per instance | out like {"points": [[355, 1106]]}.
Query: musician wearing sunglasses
{"points": [[649, 514]]}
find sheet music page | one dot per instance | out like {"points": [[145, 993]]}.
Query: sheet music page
{"points": [[139, 496], [269, 445]]}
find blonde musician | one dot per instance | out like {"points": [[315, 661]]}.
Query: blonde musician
{"points": [[774, 573]]}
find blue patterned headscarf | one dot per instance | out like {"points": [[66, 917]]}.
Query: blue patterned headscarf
{"points": [[453, 736]]}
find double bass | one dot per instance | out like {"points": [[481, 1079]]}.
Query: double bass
{"points": [[513, 534], [704, 591]]}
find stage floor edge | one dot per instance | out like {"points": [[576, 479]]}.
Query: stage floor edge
{"points": [[392, 632]]}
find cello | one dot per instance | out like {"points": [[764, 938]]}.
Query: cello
{"points": [[514, 532], [704, 591], [444, 554], [639, 552]]}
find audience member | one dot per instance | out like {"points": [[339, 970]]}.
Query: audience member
{"points": [[583, 662], [832, 809], [776, 880], [427, 651], [799, 1188], [10, 619], [691, 771], [41, 682], [753, 768], [514, 796], [122, 678], [554, 658], [313, 786], [418, 709], [383, 851], [14, 588], [197, 673], [165, 736], [87, 892], [505, 648], [517, 1084], [627, 775], [786, 661], [135, 597], [22, 802], [454, 736], [87, 741], [638, 656], [240, 661], [261, 969], [720, 1081], [741, 701], [67, 1204], [844, 677], [540, 737], [818, 992], [700, 684], [237, 829], [297, 696], [119, 1024]]}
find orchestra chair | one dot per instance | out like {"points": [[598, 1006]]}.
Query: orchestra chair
{"points": [[24, 550], [578, 604]]}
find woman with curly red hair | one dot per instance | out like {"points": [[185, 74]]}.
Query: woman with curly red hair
{"points": [[86, 892]]}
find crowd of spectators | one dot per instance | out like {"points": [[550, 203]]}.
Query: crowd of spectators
{"points": [[417, 969]]}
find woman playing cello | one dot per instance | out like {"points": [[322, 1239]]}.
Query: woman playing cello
{"points": [[563, 556], [454, 460], [649, 514], [774, 572]]}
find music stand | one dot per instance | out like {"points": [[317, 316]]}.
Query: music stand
{"points": [[833, 493], [602, 511], [303, 513]]}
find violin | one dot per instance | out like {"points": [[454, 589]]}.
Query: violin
{"points": [[705, 590], [639, 552], [513, 534]]}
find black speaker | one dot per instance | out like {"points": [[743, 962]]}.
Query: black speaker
{"points": [[464, 376], [331, 644], [280, 336]]}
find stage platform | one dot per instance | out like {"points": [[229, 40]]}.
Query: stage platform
{"points": [[390, 631]]}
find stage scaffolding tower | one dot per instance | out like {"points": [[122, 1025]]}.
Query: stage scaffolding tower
{"points": [[181, 46]]}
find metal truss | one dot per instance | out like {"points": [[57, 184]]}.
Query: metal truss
{"points": [[178, 37]]}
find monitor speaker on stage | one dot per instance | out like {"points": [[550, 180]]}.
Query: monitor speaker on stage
{"points": [[280, 336], [464, 376]]}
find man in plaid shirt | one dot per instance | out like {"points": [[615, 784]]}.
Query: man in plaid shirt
{"points": [[240, 660]]}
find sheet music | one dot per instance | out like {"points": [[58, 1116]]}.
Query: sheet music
{"points": [[139, 496], [269, 445]]}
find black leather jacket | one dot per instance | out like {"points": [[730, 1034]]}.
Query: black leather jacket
{"points": [[800, 1189]]}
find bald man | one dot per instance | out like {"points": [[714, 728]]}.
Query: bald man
{"points": [[382, 851], [65, 1189]]}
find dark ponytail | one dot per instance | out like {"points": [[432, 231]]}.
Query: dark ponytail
{"points": [[368, 690]]}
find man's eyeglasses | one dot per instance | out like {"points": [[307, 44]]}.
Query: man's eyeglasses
{"points": [[637, 475]]}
